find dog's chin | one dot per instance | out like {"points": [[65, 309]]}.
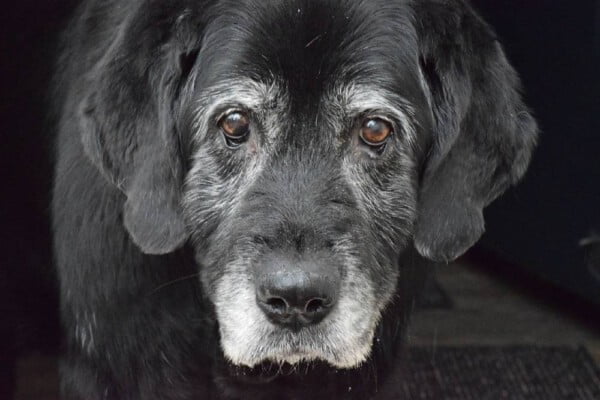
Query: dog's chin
{"points": [[296, 358], [295, 353]]}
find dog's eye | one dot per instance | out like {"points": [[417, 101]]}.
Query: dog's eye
{"points": [[375, 131], [235, 126]]}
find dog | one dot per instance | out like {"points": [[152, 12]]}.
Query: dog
{"points": [[248, 194]]}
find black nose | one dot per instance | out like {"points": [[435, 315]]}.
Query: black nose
{"points": [[295, 296]]}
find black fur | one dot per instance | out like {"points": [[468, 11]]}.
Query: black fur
{"points": [[153, 212]]}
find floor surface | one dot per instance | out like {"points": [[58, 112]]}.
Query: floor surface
{"points": [[488, 309]]}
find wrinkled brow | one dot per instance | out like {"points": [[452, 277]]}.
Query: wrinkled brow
{"points": [[242, 93], [353, 100]]}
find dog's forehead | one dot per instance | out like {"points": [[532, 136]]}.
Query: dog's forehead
{"points": [[311, 46]]}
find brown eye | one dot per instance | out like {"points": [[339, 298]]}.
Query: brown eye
{"points": [[235, 126], [375, 131]]}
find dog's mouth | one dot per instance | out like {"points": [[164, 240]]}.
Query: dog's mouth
{"points": [[278, 351], [296, 358]]}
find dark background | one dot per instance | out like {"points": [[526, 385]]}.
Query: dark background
{"points": [[28, 301], [537, 228]]}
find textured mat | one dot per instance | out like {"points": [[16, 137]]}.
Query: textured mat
{"points": [[448, 373], [482, 373]]}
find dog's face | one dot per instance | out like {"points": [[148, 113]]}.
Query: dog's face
{"points": [[305, 167], [302, 147]]}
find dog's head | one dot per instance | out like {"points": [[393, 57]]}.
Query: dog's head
{"points": [[301, 147]]}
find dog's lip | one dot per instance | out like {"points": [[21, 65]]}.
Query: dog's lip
{"points": [[291, 357]]}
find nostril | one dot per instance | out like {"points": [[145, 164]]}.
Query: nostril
{"points": [[296, 293], [314, 305], [277, 304]]}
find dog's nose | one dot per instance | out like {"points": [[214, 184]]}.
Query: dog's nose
{"points": [[296, 300], [295, 297]]}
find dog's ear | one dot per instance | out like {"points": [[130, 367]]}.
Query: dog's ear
{"points": [[131, 103], [483, 134]]}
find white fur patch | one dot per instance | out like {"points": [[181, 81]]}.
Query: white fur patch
{"points": [[343, 339]]}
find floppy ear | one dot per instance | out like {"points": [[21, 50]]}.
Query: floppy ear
{"points": [[483, 133], [131, 102]]}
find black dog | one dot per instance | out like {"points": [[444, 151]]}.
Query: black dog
{"points": [[246, 191]]}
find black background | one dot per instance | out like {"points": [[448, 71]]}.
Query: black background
{"points": [[555, 46]]}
